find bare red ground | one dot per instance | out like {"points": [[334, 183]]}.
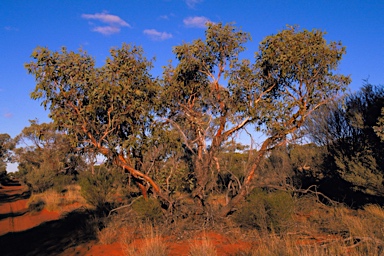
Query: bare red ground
{"points": [[14, 212]]}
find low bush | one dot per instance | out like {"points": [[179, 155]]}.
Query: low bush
{"points": [[60, 182], [148, 209], [266, 211], [40, 180], [36, 204], [98, 188]]}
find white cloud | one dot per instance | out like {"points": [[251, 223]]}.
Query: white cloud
{"points": [[196, 22], [192, 3], [107, 30], [157, 35], [164, 17], [114, 23], [106, 18]]}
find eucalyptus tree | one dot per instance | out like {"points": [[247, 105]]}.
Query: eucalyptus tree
{"points": [[108, 109], [294, 75], [198, 106], [210, 94]]}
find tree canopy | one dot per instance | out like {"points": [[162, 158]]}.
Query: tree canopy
{"points": [[119, 110]]}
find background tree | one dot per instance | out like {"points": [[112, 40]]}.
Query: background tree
{"points": [[46, 157], [6, 147], [354, 148], [108, 109]]}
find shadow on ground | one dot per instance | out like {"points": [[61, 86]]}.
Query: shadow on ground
{"points": [[5, 197], [13, 214], [51, 238]]}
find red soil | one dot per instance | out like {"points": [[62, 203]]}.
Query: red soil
{"points": [[14, 215]]}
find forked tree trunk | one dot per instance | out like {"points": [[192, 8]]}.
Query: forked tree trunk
{"points": [[247, 186]]}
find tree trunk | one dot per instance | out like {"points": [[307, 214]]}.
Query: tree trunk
{"points": [[247, 187]]}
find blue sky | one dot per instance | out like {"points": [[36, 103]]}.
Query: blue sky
{"points": [[158, 25]]}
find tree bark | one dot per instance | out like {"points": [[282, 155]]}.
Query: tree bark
{"points": [[247, 187]]}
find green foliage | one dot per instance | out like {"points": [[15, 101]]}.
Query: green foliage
{"points": [[40, 179], [46, 157], [99, 187], [197, 105], [266, 211], [111, 110], [61, 181], [148, 209], [114, 103], [106, 110], [6, 147]]}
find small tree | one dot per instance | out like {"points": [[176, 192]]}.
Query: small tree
{"points": [[109, 110]]}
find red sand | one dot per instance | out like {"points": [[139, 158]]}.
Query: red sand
{"points": [[15, 215]]}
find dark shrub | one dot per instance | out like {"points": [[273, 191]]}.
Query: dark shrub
{"points": [[266, 211], [149, 209], [98, 188]]}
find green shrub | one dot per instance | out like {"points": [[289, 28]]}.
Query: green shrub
{"points": [[266, 211], [61, 181], [40, 179], [148, 209], [98, 188]]}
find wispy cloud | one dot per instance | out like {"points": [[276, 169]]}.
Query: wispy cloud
{"points": [[157, 35], [192, 3], [107, 30], [9, 28], [196, 22], [114, 23], [8, 115], [164, 17]]}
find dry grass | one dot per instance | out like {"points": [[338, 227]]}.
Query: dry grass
{"points": [[318, 230], [375, 210], [324, 230], [205, 247], [54, 201], [271, 245], [152, 245], [111, 232]]}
